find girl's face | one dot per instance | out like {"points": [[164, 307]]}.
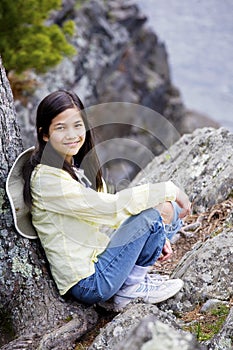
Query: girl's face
{"points": [[67, 133]]}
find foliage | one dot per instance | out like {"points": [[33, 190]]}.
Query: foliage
{"points": [[206, 327], [27, 40]]}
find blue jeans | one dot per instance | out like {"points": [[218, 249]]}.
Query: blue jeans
{"points": [[139, 240]]}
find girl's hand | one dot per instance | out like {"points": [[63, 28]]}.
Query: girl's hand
{"points": [[166, 252], [183, 202]]}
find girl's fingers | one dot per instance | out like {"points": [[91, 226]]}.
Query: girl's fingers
{"points": [[184, 203]]}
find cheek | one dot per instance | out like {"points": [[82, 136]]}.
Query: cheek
{"points": [[83, 135], [57, 135], [56, 139]]}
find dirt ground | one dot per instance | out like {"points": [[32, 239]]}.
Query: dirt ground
{"points": [[196, 228]]}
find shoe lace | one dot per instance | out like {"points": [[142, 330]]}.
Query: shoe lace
{"points": [[146, 286], [151, 282], [156, 278]]}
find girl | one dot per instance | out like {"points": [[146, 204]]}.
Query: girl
{"points": [[71, 211]]}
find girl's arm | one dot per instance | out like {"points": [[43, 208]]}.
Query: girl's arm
{"points": [[54, 190]]}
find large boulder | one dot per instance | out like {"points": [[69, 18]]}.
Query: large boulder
{"points": [[134, 330], [202, 163], [206, 271]]}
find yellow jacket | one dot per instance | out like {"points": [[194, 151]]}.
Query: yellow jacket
{"points": [[71, 219]]}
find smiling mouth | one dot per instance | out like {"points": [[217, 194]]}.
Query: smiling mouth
{"points": [[71, 143]]}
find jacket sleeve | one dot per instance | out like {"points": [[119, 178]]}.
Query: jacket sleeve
{"points": [[56, 191]]}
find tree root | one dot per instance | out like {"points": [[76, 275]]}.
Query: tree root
{"points": [[62, 338]]}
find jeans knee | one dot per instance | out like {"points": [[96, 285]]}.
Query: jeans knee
{"points": [[150, 216]]}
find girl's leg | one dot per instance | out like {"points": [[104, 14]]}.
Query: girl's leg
{"points": [[152, 290], [138, 241], [144, 231]]}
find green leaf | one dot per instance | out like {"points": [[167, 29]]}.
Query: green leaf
{"points": [[26, 41]]}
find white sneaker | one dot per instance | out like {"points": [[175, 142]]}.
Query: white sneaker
{"points": [[150, 290], [157, 277]]}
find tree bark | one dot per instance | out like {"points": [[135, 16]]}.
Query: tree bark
{"points": [[32, 314]]}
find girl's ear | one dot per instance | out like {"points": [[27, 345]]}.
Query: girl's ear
{"points": [[45, 138]]}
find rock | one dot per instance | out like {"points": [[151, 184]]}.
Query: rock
{"points": [[205, 276], [152, 334], [119, 328], [212, 304], [200, 163], [194, 120], [133, 330]]}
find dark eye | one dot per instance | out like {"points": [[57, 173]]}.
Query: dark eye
{"points": [[60, 127], [78, 125]]}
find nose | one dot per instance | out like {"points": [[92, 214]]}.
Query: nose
{"points": [[71, 134]]}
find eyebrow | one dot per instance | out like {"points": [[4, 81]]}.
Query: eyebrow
{"points": [[76, 122], [57, 124]]}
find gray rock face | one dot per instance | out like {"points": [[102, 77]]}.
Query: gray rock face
{"points": [[160, 336], [118, 330], [152, 334], [212, 304], [145, 327], [200, 163], [207, 271]]}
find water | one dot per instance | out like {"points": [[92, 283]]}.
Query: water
{"points": [[198, 37]]}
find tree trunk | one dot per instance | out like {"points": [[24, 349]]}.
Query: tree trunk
{"points": [[32, 314]]}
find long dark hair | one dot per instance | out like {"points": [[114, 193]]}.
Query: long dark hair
{"points": [[52, 105]]}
